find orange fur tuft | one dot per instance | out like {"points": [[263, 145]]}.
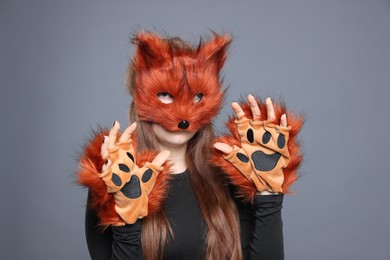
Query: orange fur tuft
{"points": [[88, 175]]}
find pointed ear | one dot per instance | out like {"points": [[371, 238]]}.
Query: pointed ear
{"points": [[215, 51], [151, 51]]}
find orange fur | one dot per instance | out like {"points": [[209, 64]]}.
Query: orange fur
{"points": [[161, 66], [88, 175], [246, 189]]}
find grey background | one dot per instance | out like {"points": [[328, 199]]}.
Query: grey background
{"points": [[61, 74]]}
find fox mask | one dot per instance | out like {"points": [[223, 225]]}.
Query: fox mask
{"points": [[176, 85]]}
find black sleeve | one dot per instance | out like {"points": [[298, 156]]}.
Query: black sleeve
{"points": [[112, 243], [99, 241], [267, 231], [127, 242]]}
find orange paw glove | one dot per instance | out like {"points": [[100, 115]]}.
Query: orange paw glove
{"points": [[129, 183], [262, 153]]}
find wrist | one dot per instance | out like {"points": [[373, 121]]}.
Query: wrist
{"points": [[265, 192]]}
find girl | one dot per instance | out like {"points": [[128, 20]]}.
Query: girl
{"points": [[167, 187]]}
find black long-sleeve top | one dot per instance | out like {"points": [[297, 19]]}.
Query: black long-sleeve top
{"points": [[260, 224]]}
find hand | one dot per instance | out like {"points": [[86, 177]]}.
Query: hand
{"points": [[130, 184], [263, 152]]}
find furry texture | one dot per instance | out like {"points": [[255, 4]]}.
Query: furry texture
{"points": [[167, 66], [246, 188], [88, 175]]}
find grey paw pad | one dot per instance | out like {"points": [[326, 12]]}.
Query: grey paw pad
{"points": [[132, 189]]}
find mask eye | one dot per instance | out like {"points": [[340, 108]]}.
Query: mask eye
{"points": [[198, 97], [165, 97]]}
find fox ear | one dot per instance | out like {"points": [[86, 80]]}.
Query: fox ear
{"points": [[215, 51], [151, 51]]}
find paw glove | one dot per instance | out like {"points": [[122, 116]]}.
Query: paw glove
{"points": [[129, 184]]}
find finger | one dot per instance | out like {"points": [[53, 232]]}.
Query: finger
{"points": [[106, 165], [126, 135], [239, 158], [104, 148], [160, 158], [254, 107], [225, 148], [238, 110], [112, 135], [283, 120], [270, 109]]}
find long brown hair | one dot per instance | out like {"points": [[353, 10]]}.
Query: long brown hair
{"points": [[216, 204]]}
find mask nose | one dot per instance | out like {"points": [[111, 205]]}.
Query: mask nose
{"points": [[183, 124]]}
